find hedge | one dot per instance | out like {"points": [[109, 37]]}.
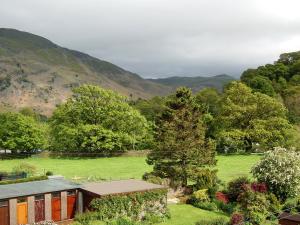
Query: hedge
{"points": [[28, 179]]}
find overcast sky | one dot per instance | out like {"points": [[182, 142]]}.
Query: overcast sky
{"points": [[159, 38]]}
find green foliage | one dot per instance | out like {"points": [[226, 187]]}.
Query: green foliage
{"points": [[236, 187], [181, 145], [29, 179], [134, 206], [49, 173], [251, 121], [254, 206], [281, 77], [96, 120], [201, 195], [19, 132], [217, 221], [27, 168], [280, 170], [292, 205], [204, 178], [150, 108], [210, 206]]}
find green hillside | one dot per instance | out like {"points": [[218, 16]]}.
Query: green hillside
{"points": [[38, 73], [195, 83]]}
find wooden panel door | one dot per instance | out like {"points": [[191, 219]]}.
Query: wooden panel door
{"points": [[4, 213], [56, 207], [22, 212], [39, 208], [71, 202]]}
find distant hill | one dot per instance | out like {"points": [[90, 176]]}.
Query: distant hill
{"points": [[195, 83], [38, 73]]}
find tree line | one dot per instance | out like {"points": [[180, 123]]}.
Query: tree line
{"points": [[255, 114]]}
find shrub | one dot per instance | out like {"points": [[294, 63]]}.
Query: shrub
{"points": [[135, 206], [150, 177], [292, 205], [259, 187], [274, 204], [23, 180], [27, 168], [280, 170], [227, 208], [204, 178], [210, 206], [217, 221], [254, 206], [201, 195], [222, 197], [236, 219], [49, 173], [122, 221], [235, 187]]}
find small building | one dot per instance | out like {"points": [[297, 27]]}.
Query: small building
{"points": [[289, 219], [57, 199]]}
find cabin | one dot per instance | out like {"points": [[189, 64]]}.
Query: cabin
{"points": [[289, 219], [57, 199]]}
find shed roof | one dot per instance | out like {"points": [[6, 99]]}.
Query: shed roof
{"points": [[119, 187], [35, 187], [289, 216]]}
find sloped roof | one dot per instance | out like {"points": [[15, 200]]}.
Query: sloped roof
{"points": [[35, 187], [119, 187]]}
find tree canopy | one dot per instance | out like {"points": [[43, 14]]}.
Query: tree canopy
{"points": [[19, 132], [248, 121], [96, 120], [181, 147]]}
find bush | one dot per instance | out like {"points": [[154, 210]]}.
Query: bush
{"points": [[227, 208], [259, 187], [280, 170], [235, 187], [27, 168], [49, 173], [150, 177], [210, 206], [254, 206], [221, 197], [237, 219], [201, 195], [122, 221], [274, 204], [204, 178], [23, 180], [292, 205], [218, 221]]}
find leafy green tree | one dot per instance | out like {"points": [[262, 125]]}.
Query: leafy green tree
{"points": [[19, 132], [261, 84], [96, 120], [249, 120], [150, 108], [280, 170], [181, 146]]}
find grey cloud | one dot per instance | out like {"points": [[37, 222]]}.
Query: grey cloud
{"points": [[157, 38]]}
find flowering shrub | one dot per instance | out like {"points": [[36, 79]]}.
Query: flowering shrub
{"points": [[259, 187], [222, 197], [236, 218], [280, 170], [236, 187]]}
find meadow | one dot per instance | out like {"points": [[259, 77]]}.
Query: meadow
{"points": [[116, 168]]}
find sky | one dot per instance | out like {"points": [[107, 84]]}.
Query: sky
{"points": [[161, 38]]}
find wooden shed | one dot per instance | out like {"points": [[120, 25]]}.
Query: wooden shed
{"points": [[289, 219], [26, 203]]}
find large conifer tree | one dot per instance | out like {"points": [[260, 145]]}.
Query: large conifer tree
{"points": [[181, 145]]}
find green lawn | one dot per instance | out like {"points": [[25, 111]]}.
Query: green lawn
{"points": [[124, 167], [189, 215]]}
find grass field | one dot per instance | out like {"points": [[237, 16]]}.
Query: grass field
{"points": [[124, 167]]}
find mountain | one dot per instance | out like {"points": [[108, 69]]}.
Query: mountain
{"points": [[195, 83], [37, 73]]}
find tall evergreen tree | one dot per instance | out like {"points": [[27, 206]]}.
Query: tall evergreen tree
{"points": [[181, 146]]}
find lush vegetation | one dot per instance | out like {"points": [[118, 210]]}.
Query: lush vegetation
{"points": [[281, 79], [136, 206], [181, 147], [96, 120]]}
